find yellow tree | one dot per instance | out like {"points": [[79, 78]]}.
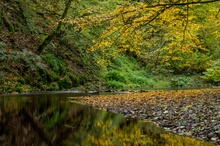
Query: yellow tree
{"points": [[163, 32]]}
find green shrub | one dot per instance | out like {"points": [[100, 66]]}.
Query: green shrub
{"points": [[53, 61], [74, 79], [115, 84], [115, 76], [181, 81], [40, 85], [54, 86], [83, 79], [65, 83], [19, 88], [32, 60], [53, 77], [140, 80], [212, 74]]}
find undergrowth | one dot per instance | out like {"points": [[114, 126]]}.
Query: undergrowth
{"points": [[126, 73]]}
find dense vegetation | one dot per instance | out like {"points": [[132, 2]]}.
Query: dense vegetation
{"points": [[67, 44]]}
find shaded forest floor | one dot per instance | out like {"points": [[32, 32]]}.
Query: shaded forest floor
{"points": [[194, 113]]}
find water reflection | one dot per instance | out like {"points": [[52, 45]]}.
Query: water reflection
{"points": [[50, 119]]}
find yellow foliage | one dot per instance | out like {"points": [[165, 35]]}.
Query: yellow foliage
{"points": [[148, 29]]}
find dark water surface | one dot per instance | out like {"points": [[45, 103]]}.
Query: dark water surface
{"points": [[50, 119]]}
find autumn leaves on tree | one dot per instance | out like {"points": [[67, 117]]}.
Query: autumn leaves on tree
{"points": [[168, 33]]}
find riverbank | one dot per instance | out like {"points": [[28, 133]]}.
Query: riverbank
{"points": [[195, 113]]}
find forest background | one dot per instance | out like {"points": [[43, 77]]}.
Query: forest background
{"points": [[108, 44]]}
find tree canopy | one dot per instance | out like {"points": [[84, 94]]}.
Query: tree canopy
{"points": [[166, 32]]}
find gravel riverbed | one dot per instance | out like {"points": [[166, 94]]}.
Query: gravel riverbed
{"points": [[194, 113]]}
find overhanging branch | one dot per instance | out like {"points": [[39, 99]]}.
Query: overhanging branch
{"points": [[183, 4]]}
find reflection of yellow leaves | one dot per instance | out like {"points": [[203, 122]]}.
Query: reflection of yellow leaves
{"points": [[100, 141], [133, 133], [178, 142], [124, 136]]}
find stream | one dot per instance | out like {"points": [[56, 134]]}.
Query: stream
{"points": [[50, 119]]}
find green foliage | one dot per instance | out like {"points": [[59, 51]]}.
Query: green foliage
{"points": [[53, 76], [2, 46], [139, 80], [19, 68], [199, 62], [65, 83], [54, 86], [76, 80], [127, 70], [115, 84], [7, 22], [15, 58], [19, 88], [181, 81], [115, 76], [40, 85], [2, 74], [212, 74], [26, 15], [70, 80], [55, 63], [32, 60]]}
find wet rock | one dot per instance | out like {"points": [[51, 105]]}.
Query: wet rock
{"points": [[193, 113]]}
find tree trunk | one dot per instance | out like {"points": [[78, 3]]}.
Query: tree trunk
{"points": [[54, 33]]}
